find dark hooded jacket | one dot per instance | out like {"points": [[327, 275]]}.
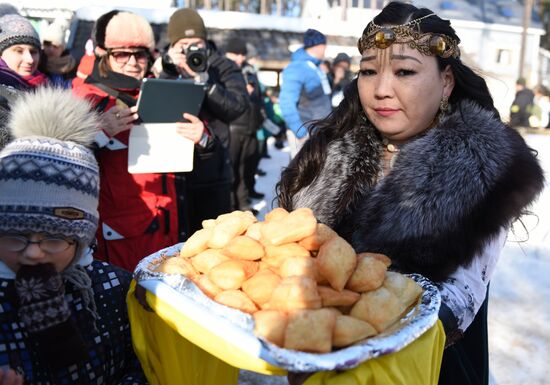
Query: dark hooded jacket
{"points": [[206, 191], [451, 190]]}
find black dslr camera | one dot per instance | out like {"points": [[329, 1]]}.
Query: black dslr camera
{"points": [[197, 58]]}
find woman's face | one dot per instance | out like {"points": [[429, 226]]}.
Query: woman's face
{"points": [[400, 90], [129, 61], [34, 254], [22, 58]]}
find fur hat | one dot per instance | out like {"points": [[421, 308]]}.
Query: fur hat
{"points": [[236, 45], [49, 178], [15, 29], [122, 29], [185, 23], [55, 34], [312, 37]]}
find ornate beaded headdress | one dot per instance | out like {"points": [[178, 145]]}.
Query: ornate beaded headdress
{"points": [[429, 43]]}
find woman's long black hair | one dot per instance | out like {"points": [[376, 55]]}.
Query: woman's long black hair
{"points": [[307, 164]]}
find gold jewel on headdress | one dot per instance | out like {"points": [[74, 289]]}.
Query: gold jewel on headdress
{"points": [[429, 43]]}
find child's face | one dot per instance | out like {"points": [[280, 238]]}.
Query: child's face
{"points": [[55, 250]]}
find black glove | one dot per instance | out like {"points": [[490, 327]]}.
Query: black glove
{"points": [[47, 317]]}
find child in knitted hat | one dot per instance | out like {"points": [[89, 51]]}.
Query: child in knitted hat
{"points": [[19, 52], [63, 315], [57, 62]]}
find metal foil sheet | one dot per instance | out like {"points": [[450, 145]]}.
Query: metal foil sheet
{"points": [[417, 321]]}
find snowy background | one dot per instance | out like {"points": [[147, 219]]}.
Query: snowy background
{"points": [[519, 305]]}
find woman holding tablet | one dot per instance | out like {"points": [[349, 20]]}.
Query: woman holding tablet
{"points": [[138, 212]]}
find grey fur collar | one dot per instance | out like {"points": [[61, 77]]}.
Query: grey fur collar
{"points": [[451, 190]]}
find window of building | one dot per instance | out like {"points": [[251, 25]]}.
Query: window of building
{"points": [[504, 56]]}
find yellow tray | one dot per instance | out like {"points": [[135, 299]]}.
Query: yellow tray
{"points": [[220, 338]]}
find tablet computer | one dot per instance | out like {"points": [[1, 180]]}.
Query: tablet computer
{"points": [[165, 100]]}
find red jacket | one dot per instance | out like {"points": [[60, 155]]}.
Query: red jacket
{"points": [[137, 212]]}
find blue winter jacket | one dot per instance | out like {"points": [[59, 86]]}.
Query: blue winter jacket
{"points": [[305, 92]]}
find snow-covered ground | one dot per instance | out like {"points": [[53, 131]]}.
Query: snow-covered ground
{"points": [[519, 307]]}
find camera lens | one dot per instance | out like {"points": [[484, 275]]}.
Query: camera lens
{"points": [[196, 58]]}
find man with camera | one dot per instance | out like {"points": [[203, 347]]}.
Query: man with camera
{"points": [[206, 191]]}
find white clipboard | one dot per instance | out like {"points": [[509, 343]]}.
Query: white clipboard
{"points": [[158, 148]]}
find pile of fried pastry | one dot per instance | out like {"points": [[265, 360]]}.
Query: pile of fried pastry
{"points": [[304, 285]]}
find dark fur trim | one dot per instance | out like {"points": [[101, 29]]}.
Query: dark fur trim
{"points": [[450, 191]]}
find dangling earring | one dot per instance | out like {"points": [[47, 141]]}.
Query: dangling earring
{"points": [[443, 106]]}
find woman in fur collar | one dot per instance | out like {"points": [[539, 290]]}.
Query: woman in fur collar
{"points": [[416, 163]]}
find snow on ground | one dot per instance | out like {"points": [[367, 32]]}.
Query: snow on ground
{"points": [[519, 302]]}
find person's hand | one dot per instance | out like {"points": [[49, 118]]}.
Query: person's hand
{"points": [[192, 130], [179, 59], [10, 377], [119, 119], [297, 378], [250, 89], [140, 294]]}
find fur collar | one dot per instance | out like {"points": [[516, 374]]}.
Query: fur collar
{"points": [[450, 191]]}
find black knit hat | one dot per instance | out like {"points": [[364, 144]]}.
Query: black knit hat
{"points": [[185, 23], [236, 45], [341, 57]]}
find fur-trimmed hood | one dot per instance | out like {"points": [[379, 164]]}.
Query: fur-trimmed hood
{"points": [[450, 191]]}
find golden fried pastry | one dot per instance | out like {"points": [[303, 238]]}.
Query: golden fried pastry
{"points": [[295, 293], [381, 257], [207, 286], [322, 234], [334, 310], [246, 217], [177, 265], [349, 330], [226, 230], [404, 288], [299, 265], [208, 223], [228, 275], [368, 275], [275, 255], [236, 299], [336, 262], [250, 267], [261, 285], [271, 326], [243, 247], [297, 225], [263, 265], [275, 214], [310, 330], [206, 260], [196, 243], [331, 297], [379, 307], [254, 231]]}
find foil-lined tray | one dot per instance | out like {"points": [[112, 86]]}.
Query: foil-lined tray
{"points": [[417, 321]]}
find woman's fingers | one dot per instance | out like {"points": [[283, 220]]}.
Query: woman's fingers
{"points": [[191, 118], [119, 119]]}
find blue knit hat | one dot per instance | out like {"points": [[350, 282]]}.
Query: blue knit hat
{"points": [[49, 178], [312, 37]]}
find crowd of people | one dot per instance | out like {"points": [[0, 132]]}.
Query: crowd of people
{"points": [[408, 157]]}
